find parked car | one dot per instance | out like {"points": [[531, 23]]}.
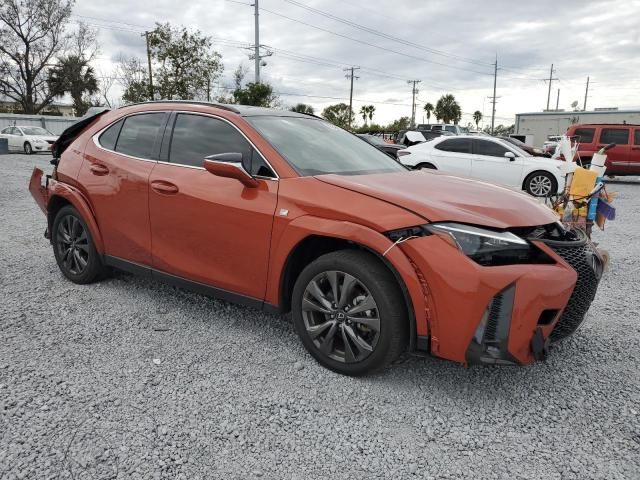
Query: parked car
{"points": [[448, 127], [550, 144], [623, 159], [489, 159], [28, 139], [380, 144], [286, 212], [533, 151]]}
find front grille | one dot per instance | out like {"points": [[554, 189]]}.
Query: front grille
{"points": [[581, 257]]}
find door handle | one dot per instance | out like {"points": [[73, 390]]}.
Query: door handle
{"points": [[163, 187], [98, 169]]}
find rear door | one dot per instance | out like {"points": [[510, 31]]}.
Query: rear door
{"points": [[453, 156], [490, 164], [115, 174], [206, 228], [13, 139], [618, 156]]}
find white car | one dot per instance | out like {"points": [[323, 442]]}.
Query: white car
{"points": [[488, 159], [28, 139]]}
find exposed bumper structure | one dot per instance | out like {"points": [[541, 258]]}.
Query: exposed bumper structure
{"points": [[505, 314]]}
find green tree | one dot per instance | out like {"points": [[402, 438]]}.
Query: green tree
{"points": [[339, 114], [367, 111], [185, 62], [448, 110], [477, 116], [133, 78], [32, 35], [74, 75], [400, 124], [302, 108], [256, 94], [428, 108]]}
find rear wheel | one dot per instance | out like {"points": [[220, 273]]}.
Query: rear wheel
{"points": [[541, 184], [349, 312], [28, 149], [73, 247], [426, 165]]}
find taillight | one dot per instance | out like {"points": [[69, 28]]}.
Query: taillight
{"points": [[402, 153]]}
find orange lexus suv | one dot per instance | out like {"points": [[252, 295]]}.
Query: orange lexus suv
{"points": [[288, 213]]}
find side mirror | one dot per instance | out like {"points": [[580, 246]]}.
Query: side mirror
{"points": [[229, 165], [510, 155]]}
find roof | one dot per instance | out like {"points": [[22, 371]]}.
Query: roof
{"points": [[592, 112], [243, 110]]}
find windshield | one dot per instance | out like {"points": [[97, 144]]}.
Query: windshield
{"points": [[518, 150], [316, 147], [35, 131]]}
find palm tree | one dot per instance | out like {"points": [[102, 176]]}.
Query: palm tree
{"points": [[448, 109], [75, 76], [364, 112], [428, 108], [302, 108], [372, 110], [477, 116]]}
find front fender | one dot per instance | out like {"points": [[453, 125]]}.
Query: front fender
{"points": [[287, 236]]}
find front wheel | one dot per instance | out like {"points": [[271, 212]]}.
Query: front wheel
{"points": [[28, 149], [349, 312], [541, 184], [73, 247]]}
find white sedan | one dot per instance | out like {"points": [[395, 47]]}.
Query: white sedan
{"points": [[488, 159], [28, 139]]}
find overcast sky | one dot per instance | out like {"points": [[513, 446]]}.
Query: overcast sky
{"points": [[453, 46]]}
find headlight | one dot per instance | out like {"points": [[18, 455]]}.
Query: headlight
{"points": [[38, 140], [488, 247]]}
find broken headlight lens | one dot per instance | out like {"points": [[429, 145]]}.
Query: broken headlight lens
{"points": [[488, 247]]}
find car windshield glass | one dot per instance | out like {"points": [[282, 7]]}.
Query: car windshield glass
{"points": [[316, 147], [373, 140], [35, 131]]}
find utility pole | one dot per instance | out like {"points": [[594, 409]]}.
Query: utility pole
{"points": [[551, 79], [146, 36], [351, 76], [558, 100], [414, 90], [494, 98], [256, 53], [586, 93]]}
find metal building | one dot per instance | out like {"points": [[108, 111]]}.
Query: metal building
{"points": [[549, 123]]}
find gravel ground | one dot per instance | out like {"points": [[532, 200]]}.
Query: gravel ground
{"points": [[128, 378]]}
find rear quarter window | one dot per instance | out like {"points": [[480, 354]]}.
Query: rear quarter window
{"points": [[109, 137]]}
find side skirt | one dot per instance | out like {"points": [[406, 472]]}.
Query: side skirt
{"points": [[197, 287]]}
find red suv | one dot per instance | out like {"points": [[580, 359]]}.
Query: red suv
{"points": [[286, 212], [623, 159]]}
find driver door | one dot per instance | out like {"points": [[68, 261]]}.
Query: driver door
{"points": [[205, 228], [490, 164]]}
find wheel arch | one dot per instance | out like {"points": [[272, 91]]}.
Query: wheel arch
{"points": [[61, 195], [297, 251]]}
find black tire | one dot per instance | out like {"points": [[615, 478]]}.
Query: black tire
{"points": [[534, 181], [28, 149], [426, 165], [373, 280], [87, 265]]}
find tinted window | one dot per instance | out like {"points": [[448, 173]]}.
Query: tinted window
{"points": [[451, 128], [139, 134], [619, 136], [585, 134], [636, 137], [110, 136], [459, 145], [196, 137], [6, 131], [491, 149]]}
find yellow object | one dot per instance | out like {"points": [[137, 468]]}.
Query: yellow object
{"points": [[582, 182]]}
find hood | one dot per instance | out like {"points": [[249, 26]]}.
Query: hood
{"points": [[440, 197]]}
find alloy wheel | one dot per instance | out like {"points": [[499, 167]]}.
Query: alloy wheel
{"points": [[73, 245], [540, 185], [341, 316]]}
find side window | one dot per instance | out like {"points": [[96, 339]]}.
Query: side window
{"points": [[17, 131], [6, 131], [491, 149], [451, 128], [636, 137], [196, 137], [619, 136], [586, 134], [139, 134], [109, 137], [459, 145]]}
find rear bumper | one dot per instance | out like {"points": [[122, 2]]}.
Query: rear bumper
{"points": [[504, 315], [39, 191]]}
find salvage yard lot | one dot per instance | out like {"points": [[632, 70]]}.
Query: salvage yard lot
{"points": [[128, 378]]}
